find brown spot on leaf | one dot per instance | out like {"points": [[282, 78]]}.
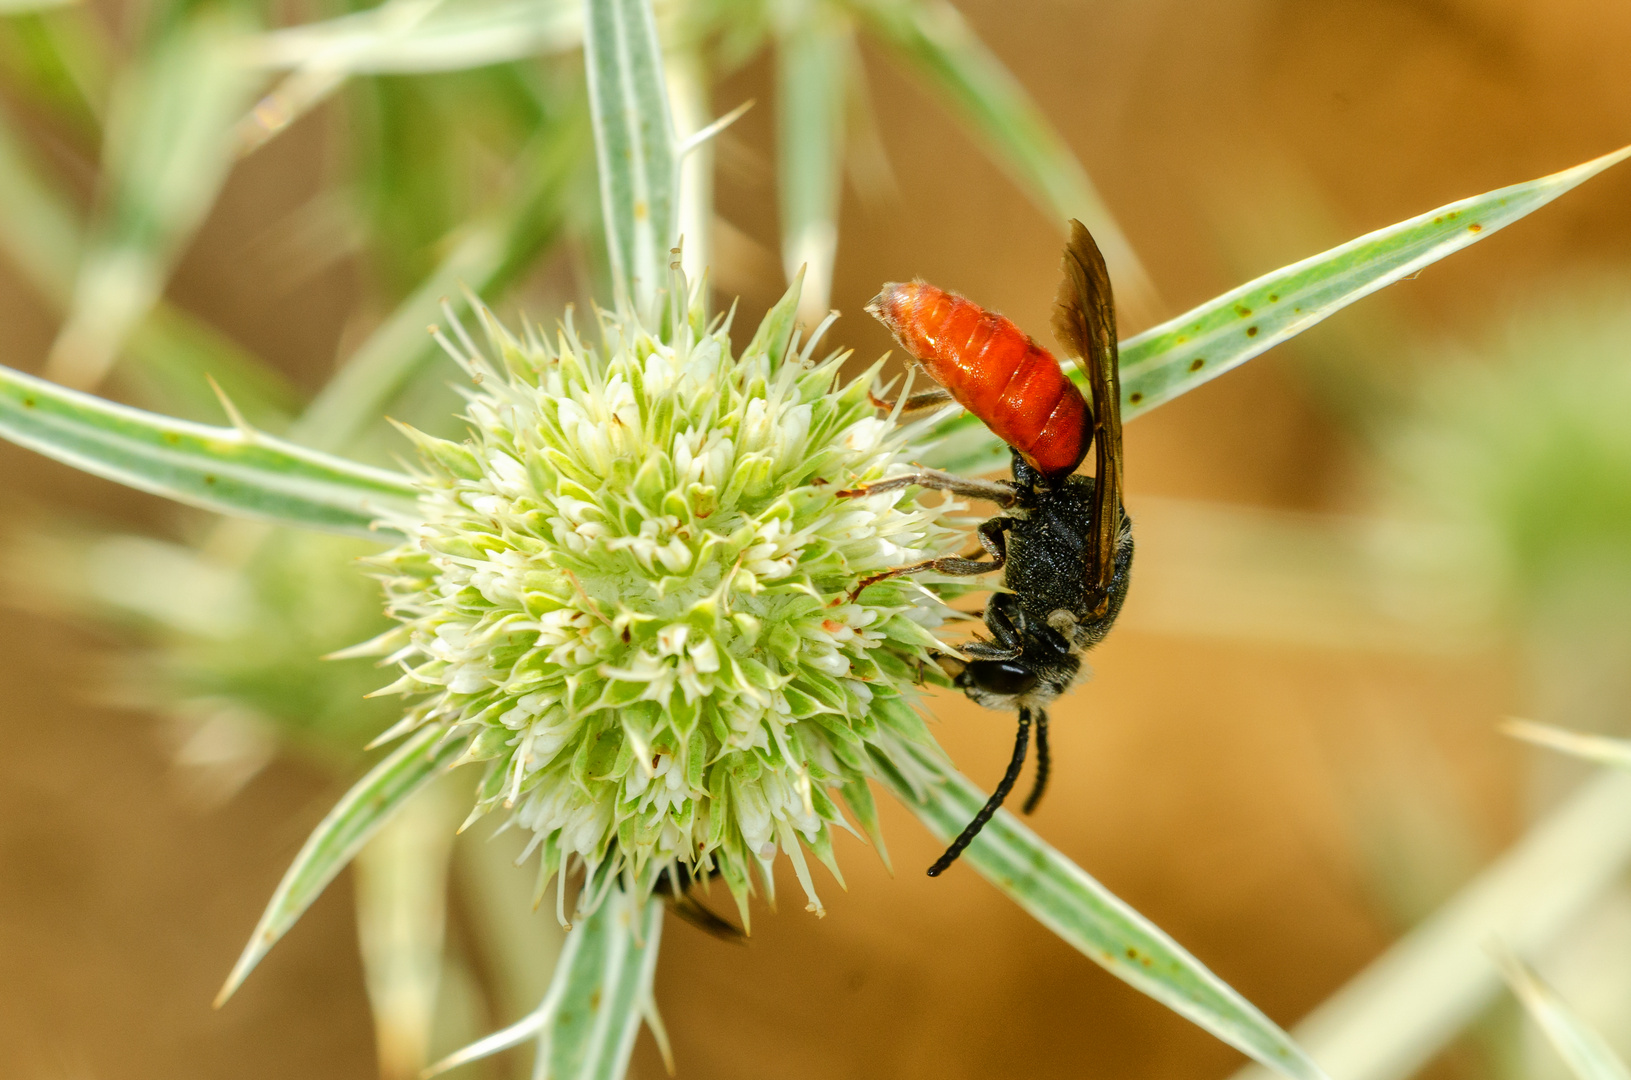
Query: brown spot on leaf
{"points": [[1475, 227], [1136, 397], [1251, 331], [1197, 363]]}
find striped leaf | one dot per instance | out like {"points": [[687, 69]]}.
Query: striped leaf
{"points": [[634, 145], [228, 470], [339, 836], [586, 1024], [1065, 899]]}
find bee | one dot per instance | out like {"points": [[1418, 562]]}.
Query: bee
{"points": [[1063, 542]]}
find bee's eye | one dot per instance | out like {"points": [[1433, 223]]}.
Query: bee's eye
{"points": [[998, 676]]}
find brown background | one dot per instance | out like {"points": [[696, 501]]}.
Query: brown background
{"points": [[1206, 781]]}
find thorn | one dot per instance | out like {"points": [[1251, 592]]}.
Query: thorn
{"points": [[704, 134], [237, 418]]}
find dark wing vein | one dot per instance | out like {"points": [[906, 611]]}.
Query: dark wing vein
{"points": [[1084, 320]]}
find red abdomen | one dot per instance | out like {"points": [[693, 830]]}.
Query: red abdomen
{"points": [[994, 370]]}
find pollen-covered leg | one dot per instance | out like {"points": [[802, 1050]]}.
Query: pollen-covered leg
{"points": [[1000, 492], [970, 831], [991, 538]]}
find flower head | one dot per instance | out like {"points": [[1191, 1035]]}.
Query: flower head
{"points": [[631, 590]]}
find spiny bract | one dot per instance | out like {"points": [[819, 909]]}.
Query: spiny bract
{"points": [[630, 591]]}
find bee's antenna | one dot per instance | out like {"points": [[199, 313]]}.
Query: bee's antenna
{"points": [[966, 837], [1043, 763]]}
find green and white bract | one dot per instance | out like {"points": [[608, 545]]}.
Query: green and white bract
{"points": [[630, 591]]}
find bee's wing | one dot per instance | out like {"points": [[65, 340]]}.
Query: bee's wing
{"points": [[1084, 321]]}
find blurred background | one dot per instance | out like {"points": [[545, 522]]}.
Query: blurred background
{"points": [[1356, 555]]}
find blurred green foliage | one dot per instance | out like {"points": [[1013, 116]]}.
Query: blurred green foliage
{"points": [[1523, 439]]}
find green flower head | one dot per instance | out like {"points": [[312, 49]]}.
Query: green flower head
{"points": [[631, 591]]}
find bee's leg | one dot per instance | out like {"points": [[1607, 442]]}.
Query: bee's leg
{"points": [[1004, 618], [929, 399], [1044, 763], [1006, 785], [1000, 492], [991, 538]]}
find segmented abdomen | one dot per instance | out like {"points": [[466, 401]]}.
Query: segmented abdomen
{"points": [[993, 369]]}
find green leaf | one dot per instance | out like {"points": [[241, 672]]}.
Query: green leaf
{"points": [[1599, 748], [340, 835], [453, 36], [586, 1024], [814, 52], [400, 880], [933, 38], [634, 145], [1161, 363], [615, 967], [1177, 356], [1061, 896], [226, 470], [1585, 1051], [166, 153]]}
